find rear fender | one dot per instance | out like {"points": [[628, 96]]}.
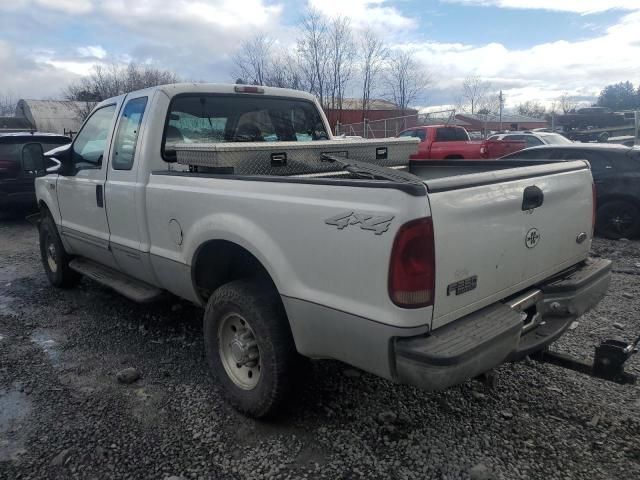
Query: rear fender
{"points": [[233, 228]]}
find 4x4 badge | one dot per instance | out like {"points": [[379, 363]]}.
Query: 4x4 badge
{"points": [[376, 223]]}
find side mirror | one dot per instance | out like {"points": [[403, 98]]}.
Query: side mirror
{"points": [[59, 160], [54, 165], [33, 158]]}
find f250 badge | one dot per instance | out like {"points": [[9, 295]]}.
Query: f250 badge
{"points": [[378, 224]]}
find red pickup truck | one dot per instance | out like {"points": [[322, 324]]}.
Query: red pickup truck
{"points": [[439, 142]]}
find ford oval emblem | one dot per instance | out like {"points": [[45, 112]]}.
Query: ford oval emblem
{"points": [[532, 238], [582, 236]]}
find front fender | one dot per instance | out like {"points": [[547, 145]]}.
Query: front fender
{"points": [[46, 195]]}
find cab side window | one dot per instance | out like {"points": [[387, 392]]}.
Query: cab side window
{"points": [[532, 141], [88, 148], [124, 147]]}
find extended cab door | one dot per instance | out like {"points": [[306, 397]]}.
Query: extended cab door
{"points": [[125, 190], [81, 199]]}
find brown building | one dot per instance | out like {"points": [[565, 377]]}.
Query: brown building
{"points": [[383, 118]]}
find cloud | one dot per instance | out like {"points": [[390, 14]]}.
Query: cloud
{"points": [[375, 13], [584, 7], [230, 14], [543, 71], [92, 51], [194, 38], [24, 77], [197, 38], [73, 7]]}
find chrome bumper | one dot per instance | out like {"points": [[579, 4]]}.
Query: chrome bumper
{"points": [[504, 331]]}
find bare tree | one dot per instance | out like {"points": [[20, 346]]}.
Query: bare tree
{"points": [[313, 49], [567, 103], [374, 53], [532, 108], [284, 71], [405, 79], [253, 59], [342, 53], [113, 80], [7, 104], [474, 94]]}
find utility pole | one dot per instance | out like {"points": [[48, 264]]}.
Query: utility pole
{"points": [[637, 122], [501, 103]]}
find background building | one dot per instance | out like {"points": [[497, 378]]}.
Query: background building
{"points": [[478, 123], [383, 118], [52, 116]]}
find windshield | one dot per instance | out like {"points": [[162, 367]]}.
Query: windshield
{"points": [[234, 118], [556, 139]]}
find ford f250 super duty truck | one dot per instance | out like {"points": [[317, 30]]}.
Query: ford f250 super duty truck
{"points": [[237, 198]]}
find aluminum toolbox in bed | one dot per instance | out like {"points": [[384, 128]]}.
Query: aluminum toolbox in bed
{"points": [[294, 158]]}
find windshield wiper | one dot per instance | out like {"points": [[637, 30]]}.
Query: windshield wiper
{"points": [[370, 170]]}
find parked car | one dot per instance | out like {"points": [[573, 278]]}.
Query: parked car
{"points": [[449, 142], [534, 139], [316, 247], [17, 188], [616, 175]]}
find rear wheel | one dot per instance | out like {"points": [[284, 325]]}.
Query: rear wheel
{"points": [[618, 219], [249, 346], [55, 259]]}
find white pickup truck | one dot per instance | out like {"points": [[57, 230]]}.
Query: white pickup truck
{"points": [[426, 274]]}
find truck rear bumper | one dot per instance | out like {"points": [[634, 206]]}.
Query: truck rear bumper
{"points": [[479, 342]]}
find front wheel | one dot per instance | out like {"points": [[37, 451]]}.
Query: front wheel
{"points": [[55, 259], [249, 346], [618, 219]]}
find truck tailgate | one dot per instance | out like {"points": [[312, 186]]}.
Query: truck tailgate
{"points": [[490, 243]]}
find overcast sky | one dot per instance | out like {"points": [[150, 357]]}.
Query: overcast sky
{"points": [[532, 49]]}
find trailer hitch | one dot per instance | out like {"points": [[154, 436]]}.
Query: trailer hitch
{"points": [[608, 362]]}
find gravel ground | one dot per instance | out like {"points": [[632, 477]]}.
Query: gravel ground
{"points": [[63, 414]]}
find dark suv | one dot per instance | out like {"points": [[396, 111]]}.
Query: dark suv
{"points": [[616, 174], [17, 188]]}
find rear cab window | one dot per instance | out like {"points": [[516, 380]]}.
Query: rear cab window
{"points": [[451, 134], [215, 118]]}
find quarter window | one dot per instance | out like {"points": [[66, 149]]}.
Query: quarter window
{"points": [[124, 148]]}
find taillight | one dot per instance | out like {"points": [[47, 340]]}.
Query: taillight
{"points": [[483, 151], [412, 267], [593, 209], [248, 89]]}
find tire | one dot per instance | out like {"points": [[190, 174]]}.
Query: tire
{"points": [[55, 259], [618, 219], [249, 347]]}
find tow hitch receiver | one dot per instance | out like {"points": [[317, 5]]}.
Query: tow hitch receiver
{"points": [[608, 362]]}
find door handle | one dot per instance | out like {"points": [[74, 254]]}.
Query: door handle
{"points": [[532, 198], [99, 196]]}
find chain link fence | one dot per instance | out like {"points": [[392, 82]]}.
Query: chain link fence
{"points": [[391, 127]]}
